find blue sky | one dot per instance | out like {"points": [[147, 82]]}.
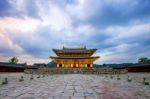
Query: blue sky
{"points": [[119, 29]]}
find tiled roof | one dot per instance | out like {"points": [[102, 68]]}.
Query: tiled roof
{"points": [[72, 52], [140, 65], [4, 64], [74, 48]]}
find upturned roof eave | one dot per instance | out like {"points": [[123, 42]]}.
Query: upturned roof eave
{"points": [[74, 57], [58, 51]]}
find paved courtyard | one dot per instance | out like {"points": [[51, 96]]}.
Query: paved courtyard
{"points": [[74, 86]]}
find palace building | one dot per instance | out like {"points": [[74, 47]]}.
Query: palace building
{"points": [[74, 57]]}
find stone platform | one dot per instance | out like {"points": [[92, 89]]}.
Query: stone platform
{"points": [[74, 86]]}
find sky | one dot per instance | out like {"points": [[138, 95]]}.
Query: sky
{"points": [[119, 29]]}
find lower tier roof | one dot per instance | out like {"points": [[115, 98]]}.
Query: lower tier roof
{"points": [[75, 57], [61, 60]]}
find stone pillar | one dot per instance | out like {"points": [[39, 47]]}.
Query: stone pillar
{"points": [[58, 65], [91, 65], [71, 65], [85, 65], [77, 65]]}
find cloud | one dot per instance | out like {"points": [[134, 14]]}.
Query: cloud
{"points": [[123, 53], [128, 34], [26, 24], [110, 12], [119, 29], [4, 8], [14, 27], [8, 46], [31, 60], [82, 9], [25, 58], [54, 16]]}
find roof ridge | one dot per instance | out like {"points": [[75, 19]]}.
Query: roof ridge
{"points": [[77, 47]]}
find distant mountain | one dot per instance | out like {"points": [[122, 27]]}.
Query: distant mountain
{"points": [[52, 64], [97, 65], [122, 65]]}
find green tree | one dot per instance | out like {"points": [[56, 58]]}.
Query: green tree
{"points": [[143, 60], [13, 60]]}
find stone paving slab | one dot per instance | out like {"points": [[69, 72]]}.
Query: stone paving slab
{"points": [[74, 86]]}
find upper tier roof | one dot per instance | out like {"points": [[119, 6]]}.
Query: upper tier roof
{"points": [[65, 51], [74, 48]]}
